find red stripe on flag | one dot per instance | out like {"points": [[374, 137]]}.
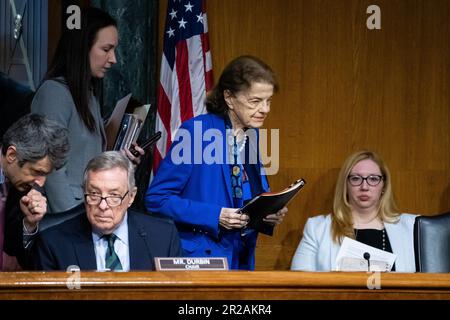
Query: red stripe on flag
{"points": [[164, 111], [184, 81], [208, 74], [209, 81]]}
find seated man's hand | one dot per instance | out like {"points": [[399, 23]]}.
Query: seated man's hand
{"points": [[34, 206]]}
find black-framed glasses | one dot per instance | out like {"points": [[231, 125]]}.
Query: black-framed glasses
{"points": [[372, 180], [111, 201]]}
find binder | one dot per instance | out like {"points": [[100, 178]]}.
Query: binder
{"points": [[125, 123], [268, 203]]}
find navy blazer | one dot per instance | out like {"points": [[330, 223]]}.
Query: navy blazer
{"points": [[70, 243]]}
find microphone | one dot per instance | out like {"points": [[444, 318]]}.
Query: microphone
{"points": [[143, 235], [366, 256]]}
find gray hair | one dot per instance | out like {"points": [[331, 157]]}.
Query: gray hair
{"points": [[36, 137], [110, 160]]}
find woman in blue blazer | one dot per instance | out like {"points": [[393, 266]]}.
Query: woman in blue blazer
{"points": [[363, 209], [213, 167]]}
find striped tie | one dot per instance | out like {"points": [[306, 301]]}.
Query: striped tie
{"points": [[111, 258]]}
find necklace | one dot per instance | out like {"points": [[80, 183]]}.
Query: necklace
{"points": [[235, 147], [383, 236]]}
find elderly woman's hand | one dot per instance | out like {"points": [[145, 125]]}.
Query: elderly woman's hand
{"points": [[230, 218], [276, 218]]}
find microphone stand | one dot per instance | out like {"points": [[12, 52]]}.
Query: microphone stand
{"points": [[367, 257]]}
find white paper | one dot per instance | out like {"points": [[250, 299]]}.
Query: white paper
{"points": [[351, 257], [118, 111]]}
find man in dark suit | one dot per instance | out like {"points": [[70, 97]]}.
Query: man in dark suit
{"points": [[30, 149], [109, 236]]}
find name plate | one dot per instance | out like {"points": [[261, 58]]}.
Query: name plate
{"points": [[180, 264]]}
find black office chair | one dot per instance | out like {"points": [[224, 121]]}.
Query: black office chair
{"points": [[432, 243]]}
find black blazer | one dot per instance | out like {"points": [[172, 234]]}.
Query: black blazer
{"points": [[14, 239], [70, 243]]}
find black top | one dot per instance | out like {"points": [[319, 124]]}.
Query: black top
{"points": [[374, 238]]}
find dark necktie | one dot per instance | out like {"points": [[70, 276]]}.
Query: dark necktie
{"points": [[112, 261]]}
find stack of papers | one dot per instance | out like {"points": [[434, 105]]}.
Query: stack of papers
{"points": [[351, 257], [124, 128]]}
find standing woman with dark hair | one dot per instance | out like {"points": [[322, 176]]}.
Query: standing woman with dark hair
{"points": [[69, 95]]}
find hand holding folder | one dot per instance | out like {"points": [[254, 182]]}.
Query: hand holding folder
{"points": [[125, 123], [268, 203]]}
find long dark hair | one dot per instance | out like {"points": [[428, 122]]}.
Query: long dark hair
{"points": [[238, 76], [71, 61]]}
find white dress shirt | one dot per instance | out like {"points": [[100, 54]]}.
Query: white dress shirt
{"points": [[121, 246]]}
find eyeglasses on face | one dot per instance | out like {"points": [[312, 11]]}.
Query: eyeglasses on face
{"points": [[372, 180], [111, 201], [254, 103]]}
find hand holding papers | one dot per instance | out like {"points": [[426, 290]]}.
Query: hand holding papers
{"points": [[357, 256], [267, 203]]}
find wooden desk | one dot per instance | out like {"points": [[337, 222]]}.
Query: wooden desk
{"points": [[231, 285]]}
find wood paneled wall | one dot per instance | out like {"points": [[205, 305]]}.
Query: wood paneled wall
{"points": [[344, 88]]}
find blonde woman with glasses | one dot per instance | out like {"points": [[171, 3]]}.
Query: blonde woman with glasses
{"points": [[364, 209]]}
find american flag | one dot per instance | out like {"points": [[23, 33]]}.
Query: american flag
{"points": [[186, 70]]}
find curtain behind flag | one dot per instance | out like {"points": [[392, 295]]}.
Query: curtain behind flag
{"points": [[186, 70]]}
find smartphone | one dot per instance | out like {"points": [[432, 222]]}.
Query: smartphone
{"points": [[147, 144]]}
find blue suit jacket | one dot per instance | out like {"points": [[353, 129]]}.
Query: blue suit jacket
{"points": [[193, 193], [70, 243]]}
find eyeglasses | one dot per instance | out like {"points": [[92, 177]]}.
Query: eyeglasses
{"points": [[111, 201], [254, 104], [372, 180]]}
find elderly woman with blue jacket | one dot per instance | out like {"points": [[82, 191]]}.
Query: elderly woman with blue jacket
{"points": [[213, 168]]}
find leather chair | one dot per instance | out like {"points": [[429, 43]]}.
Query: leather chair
{"points": [[432, 243]]}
